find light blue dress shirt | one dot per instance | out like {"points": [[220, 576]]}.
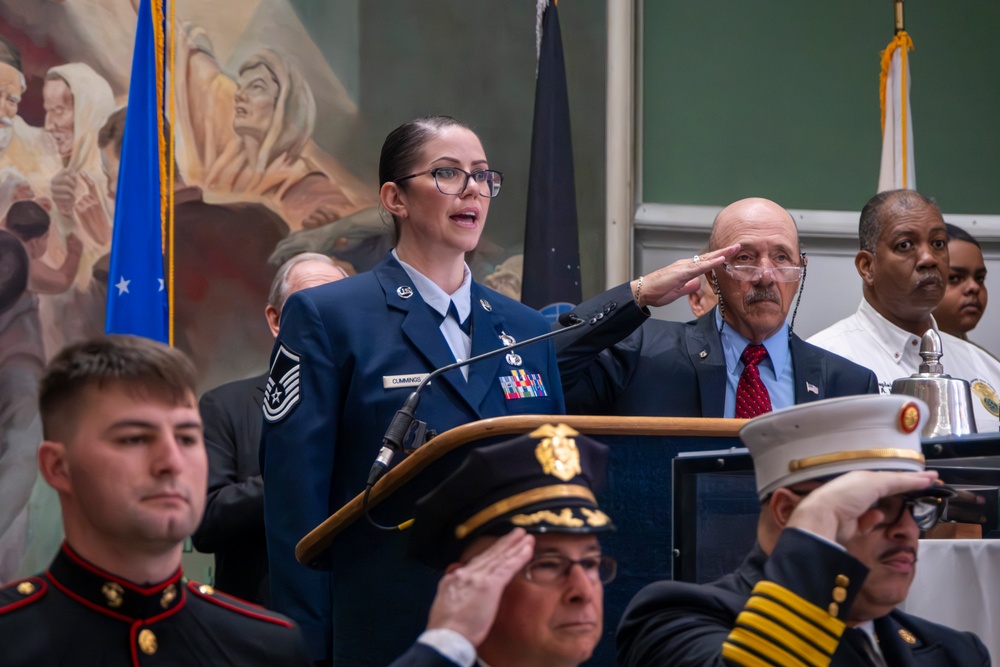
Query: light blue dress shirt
{"points": [[435, 297], [776, 370]]}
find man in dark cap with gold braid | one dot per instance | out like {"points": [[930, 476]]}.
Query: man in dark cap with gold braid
{"points": [[515, 528]]}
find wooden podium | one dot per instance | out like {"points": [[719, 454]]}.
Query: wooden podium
{"points": [[373, 581]]}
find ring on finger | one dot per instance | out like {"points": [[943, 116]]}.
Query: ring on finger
{"points": [[696, 259]]}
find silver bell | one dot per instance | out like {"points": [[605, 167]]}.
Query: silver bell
{"points": [[949, 399]]}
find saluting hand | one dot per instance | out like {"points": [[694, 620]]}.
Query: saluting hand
{"points": [[468, 596], [843, 508], [679, 279]]}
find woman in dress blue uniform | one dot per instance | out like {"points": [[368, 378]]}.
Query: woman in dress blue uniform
{"points": [[348, 355]]}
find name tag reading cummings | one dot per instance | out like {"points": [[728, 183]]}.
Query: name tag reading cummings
{"points": [[398, 381]]}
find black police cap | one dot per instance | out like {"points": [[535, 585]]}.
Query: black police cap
{"points": [[543, 482]]}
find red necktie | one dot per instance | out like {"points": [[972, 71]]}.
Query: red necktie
{"points": [[752, 398]]}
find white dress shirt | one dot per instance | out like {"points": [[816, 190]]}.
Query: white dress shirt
{"points": [[891, 353]]}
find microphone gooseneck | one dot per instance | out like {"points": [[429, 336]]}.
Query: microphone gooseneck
{"points": [[395, 435]]}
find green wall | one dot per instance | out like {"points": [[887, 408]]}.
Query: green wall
{"points": [[779, 98]]}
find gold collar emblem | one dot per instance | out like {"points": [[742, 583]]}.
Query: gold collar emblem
{"points": [[557, 452], [113, 593], [907, 636], [169, 594]]}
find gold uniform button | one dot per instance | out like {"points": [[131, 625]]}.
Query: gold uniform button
{"points": [[839, 594], [842, 581], [25, 588], [205, 589], [147, 641], [834, 609]]}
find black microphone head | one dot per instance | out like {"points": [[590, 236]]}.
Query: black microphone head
{"points": [[569, 319]]}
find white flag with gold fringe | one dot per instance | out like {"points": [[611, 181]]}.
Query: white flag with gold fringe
{"points": [[897, 170]]}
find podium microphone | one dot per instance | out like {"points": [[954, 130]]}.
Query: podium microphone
{"points": [[392, 441]]}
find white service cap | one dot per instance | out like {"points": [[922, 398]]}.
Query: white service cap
{"points": [[827, 438]]}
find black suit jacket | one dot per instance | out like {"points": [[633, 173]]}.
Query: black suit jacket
{"points": [[233, 526], [629, 364], [683, 625]]}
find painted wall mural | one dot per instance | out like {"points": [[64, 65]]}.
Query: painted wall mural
{"points": [[255, 184], [281, 107]]}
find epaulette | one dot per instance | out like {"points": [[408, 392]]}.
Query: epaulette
{"points": [[235, 604], [22, 593]]}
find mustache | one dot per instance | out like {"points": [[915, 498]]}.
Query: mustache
{"points": [[899, 550], [756, 294], [930, 278]]}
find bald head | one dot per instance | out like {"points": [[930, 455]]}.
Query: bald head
{"points": [[745, 217], [756, 308]]}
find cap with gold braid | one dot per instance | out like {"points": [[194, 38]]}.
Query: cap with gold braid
{"points": [[543, 482], [826, 438]]}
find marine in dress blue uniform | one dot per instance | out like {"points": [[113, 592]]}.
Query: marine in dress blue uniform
{"points": [[78, 614], [347, 356]]}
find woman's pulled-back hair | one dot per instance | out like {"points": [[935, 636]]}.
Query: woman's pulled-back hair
{"points": [[402, 147]]}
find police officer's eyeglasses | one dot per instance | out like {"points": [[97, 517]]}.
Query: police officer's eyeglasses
{"points": [[554, 570], [453, 181]]}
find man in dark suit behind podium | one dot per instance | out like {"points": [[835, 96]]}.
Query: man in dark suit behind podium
{"points": [[844, 496], [629, 364], [233, 526]]}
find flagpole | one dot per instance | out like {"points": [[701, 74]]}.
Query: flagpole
{"points": [[899, 16]]}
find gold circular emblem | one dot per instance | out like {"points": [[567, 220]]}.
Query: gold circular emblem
{"points": [[25, 588], [909, 418], [907, 636], [113, 593], [147, 641], [205, 589]]}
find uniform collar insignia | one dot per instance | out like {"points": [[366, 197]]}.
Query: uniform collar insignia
{"points": [[111, 594]]}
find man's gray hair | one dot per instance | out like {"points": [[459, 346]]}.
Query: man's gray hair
{"points": [[280, 286]]}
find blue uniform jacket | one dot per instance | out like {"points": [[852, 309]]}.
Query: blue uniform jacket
{"points": [[333, 389]]}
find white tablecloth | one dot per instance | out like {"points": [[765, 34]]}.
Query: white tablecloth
{"points": [[958, 585]]}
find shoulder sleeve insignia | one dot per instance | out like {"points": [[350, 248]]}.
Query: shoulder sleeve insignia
{"points": [[236, 605], [282, 392], [22, 593]]}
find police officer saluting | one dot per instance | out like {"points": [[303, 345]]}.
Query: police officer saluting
{"points": [[124, 450]]}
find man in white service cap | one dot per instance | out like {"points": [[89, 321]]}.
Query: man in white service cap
{"points": [[844, 496]]}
